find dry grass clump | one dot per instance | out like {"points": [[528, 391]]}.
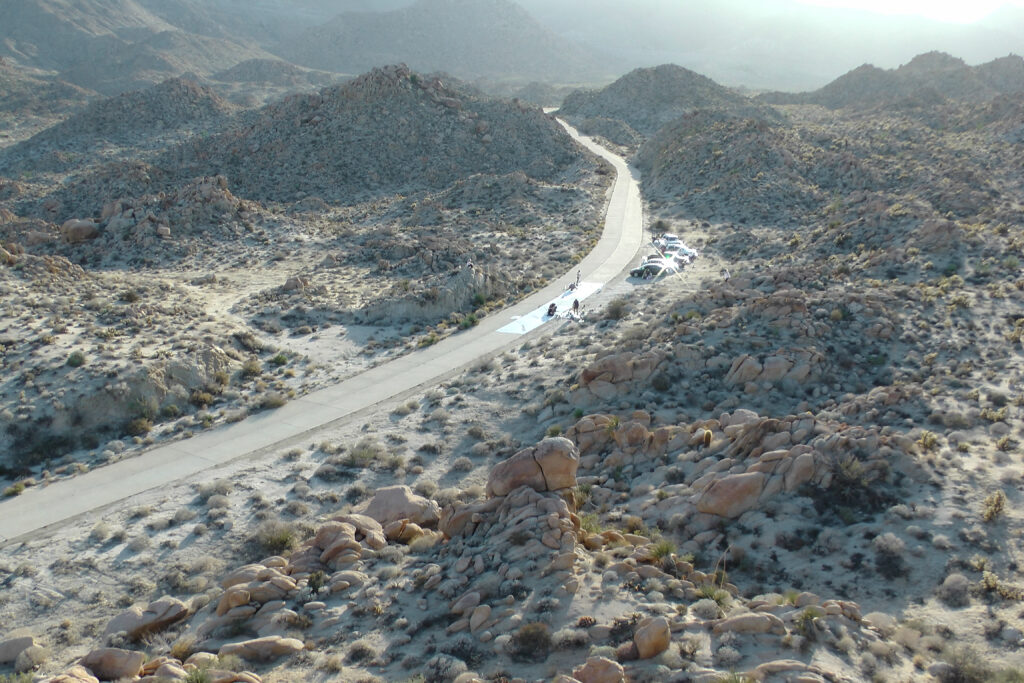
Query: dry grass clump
{"points": [[993, 506], [531, 643], [221, 487], [276, 537]]}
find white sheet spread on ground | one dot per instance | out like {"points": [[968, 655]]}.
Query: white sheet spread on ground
{"points": [[538, 317]]}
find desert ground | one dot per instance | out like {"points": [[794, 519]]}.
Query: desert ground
{"points": [[807, 471]]}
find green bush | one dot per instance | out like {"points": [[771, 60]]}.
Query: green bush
{"points": [[76, 359], [279, 360]]}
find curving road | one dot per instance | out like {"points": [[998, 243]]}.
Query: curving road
{"points": [[41, 508]]}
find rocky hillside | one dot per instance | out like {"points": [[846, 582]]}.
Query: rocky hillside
{"points": [[467, 38], [111, 47], [906, 163], [930, 78], [647, 99], [390, 130], [139, 119]]}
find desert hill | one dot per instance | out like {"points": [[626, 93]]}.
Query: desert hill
{"points": [[130, 120], [467, 38], [745, 169], [390, 130], [140, 113], [636, 105], [931, 77], [31, 99]]}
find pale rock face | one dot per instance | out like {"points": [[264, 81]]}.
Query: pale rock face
{"points": [[263, 649], [76, 674], [111, 663], [744, 369], [158, 615], [732, 495], [393, 503], [751, 623], [652, 637], [549, 466], [600, 670]]}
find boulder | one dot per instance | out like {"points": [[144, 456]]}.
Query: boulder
{"points": [[393, 503], [78, 230], [112, 663], [31, 658], [600, 670], [732, 495], [158, 615], [652, 637], [549, 466], [263, 649], [12, 647]]}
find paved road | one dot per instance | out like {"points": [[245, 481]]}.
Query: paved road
{"points": [[43, 507]]}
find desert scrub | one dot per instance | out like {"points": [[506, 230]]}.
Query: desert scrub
{"points": [[140, 426], [272, 400], [76, 359], [276, 537], [928, 441], [993, 506], [617, 309], [14, 490], [531, 643], [364, 453], [252, 367]]}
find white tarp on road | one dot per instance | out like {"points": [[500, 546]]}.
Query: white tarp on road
{"points": [[539, 316]]}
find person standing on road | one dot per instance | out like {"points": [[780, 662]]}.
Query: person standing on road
{"points": [[575, 306], [579, 273]]}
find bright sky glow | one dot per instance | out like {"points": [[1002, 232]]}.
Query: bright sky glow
{"points": [[952, 11]]}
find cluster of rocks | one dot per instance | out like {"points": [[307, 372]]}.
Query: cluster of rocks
{"points": [[723, 467]]}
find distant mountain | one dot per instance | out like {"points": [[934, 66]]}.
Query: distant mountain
{"points": [[467, 38], [930, 77], [111, 46], [783, 44], [158, 57], [388, 131], [58, 34], [647, 99]]}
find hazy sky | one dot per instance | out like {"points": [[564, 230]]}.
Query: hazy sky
{"points": [[953, 11]]}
